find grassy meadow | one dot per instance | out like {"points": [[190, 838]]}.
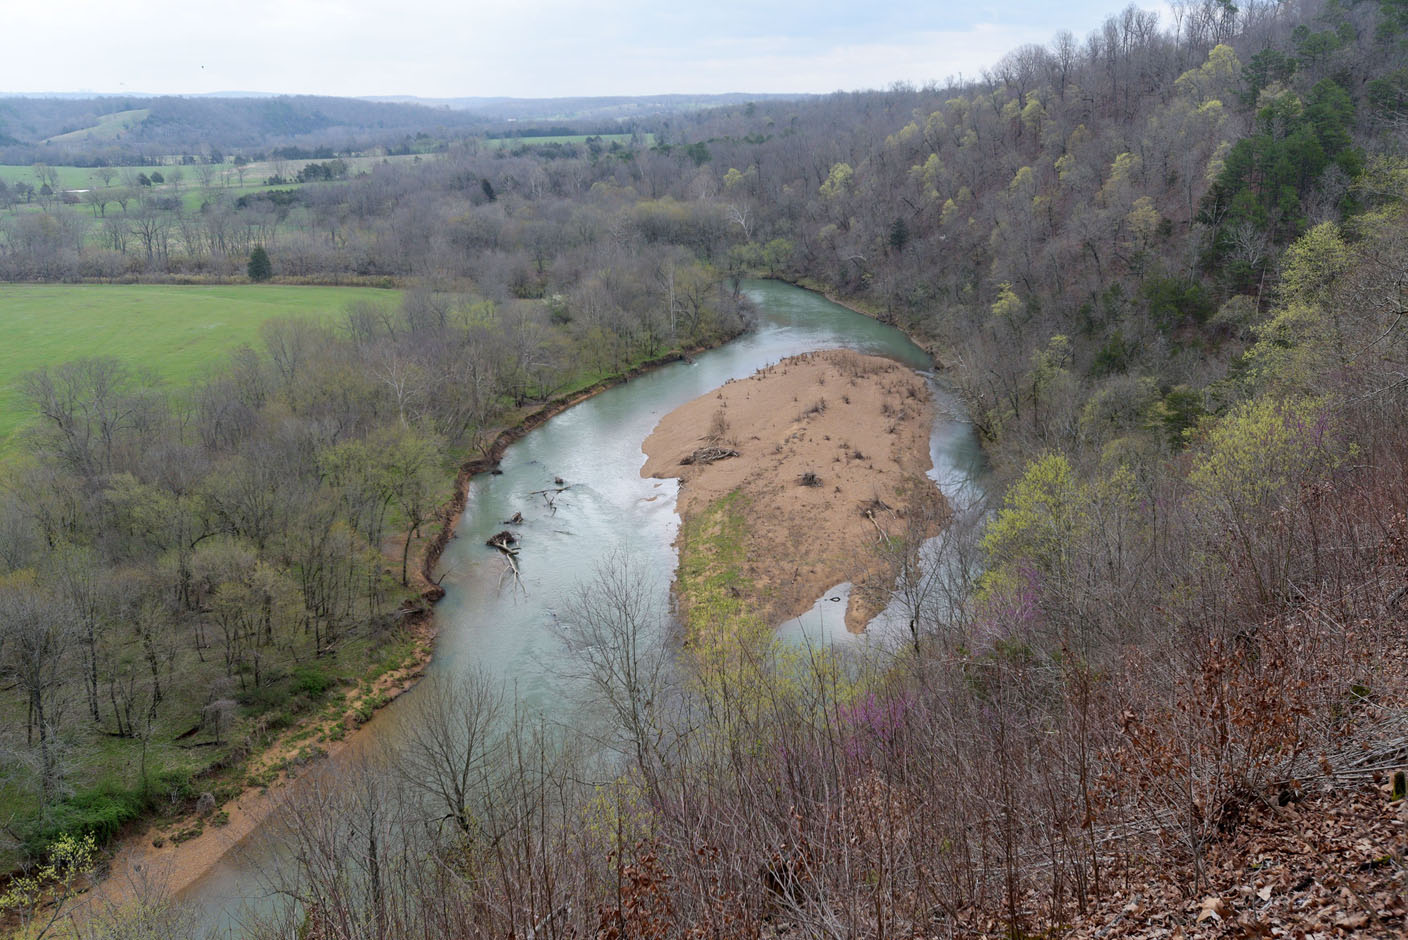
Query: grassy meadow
{"points": [[175, 331], [606, 139], [74, 177], [109, 127], [225, 176]]}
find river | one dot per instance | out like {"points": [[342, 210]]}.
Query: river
{"points": [[486, 621]]}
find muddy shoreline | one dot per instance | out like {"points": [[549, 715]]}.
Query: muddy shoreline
{"points": [[254, 804], [137, 866]]}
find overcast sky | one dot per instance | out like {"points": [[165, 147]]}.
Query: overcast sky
{"points": [[521, 48]]}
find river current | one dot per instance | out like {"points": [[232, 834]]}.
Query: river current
{"points": [[508, 629]]}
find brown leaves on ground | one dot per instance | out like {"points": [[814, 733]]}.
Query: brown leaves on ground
{"points": [[1330, 865]]}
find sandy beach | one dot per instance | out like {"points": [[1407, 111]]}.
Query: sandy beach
{"points": [[831, 450]]}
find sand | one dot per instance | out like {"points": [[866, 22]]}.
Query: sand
{"points": [[860, 425], [141, 869]]}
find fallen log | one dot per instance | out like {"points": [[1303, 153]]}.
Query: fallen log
{"points": [[511, 566], [708, 455], [504, 541], [870, 514], [550, 494]]}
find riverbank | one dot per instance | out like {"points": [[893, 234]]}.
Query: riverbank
{"points": [[162, 861], [179, 853], [428, 553], [513, 428], [829, 453], [928, 344]]}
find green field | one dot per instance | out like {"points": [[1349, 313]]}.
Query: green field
{"points": [[177, 332], [109, 127], [606, 139], [72, 177], [225, 178]]}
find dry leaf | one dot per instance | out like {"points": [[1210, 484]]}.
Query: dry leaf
{"points": [[1213, 907]]}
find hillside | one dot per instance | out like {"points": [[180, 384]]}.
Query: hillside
{"points": [[606, 108], [1155, 688], [60, 130], [126, 128]]}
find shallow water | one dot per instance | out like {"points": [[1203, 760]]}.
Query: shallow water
{"points": [[509, 630]]}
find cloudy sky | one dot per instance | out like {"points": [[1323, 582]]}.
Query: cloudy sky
{"points": [[522, 48]]}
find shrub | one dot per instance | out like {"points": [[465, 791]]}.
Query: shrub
{"points": [[99, 813], [311, 681]]}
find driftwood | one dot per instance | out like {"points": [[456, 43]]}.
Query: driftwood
{"points": [[504, 542], [708, 455], [874, 505], [869, 514], [511, 566], [550, 494]]}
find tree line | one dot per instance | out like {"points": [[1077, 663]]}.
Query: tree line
{"points": [[1163, 270], [184, 571]]}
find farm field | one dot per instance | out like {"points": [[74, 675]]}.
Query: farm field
{"points": [[86, 177], [109, 127], [175, 331], [71, 177], [502, 142]]}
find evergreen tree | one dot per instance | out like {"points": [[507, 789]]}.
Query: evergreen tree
{"points": [[260, 268]]}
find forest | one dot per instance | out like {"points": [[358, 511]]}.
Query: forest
{"points": [[1163, 267]]}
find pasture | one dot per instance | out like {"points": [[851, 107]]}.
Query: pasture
{"points": [[176, 332], [71, 177], [224, 176], [109, 127], [606, 140]]}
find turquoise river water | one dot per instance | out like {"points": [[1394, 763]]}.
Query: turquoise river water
{"points": [[486, 622]]}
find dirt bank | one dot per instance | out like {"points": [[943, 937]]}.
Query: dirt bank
{"points": [[163, 860], [930, 346], [139, 866], [832, 449]]}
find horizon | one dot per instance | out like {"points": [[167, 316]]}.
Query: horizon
{"points": [[395, 97], [544, 49]]}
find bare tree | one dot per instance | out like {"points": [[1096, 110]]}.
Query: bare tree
{"points": [[453, 746], [36, 630], [930, 564], [615, 630]]}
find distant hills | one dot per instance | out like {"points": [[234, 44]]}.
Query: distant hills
{"points": [[55, 128], [592, 108], [179, 124]]}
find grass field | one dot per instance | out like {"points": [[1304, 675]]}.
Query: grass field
{"points": [[71, 177], [177, 332], [85, 177], [606, 139], [109, 127]]}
